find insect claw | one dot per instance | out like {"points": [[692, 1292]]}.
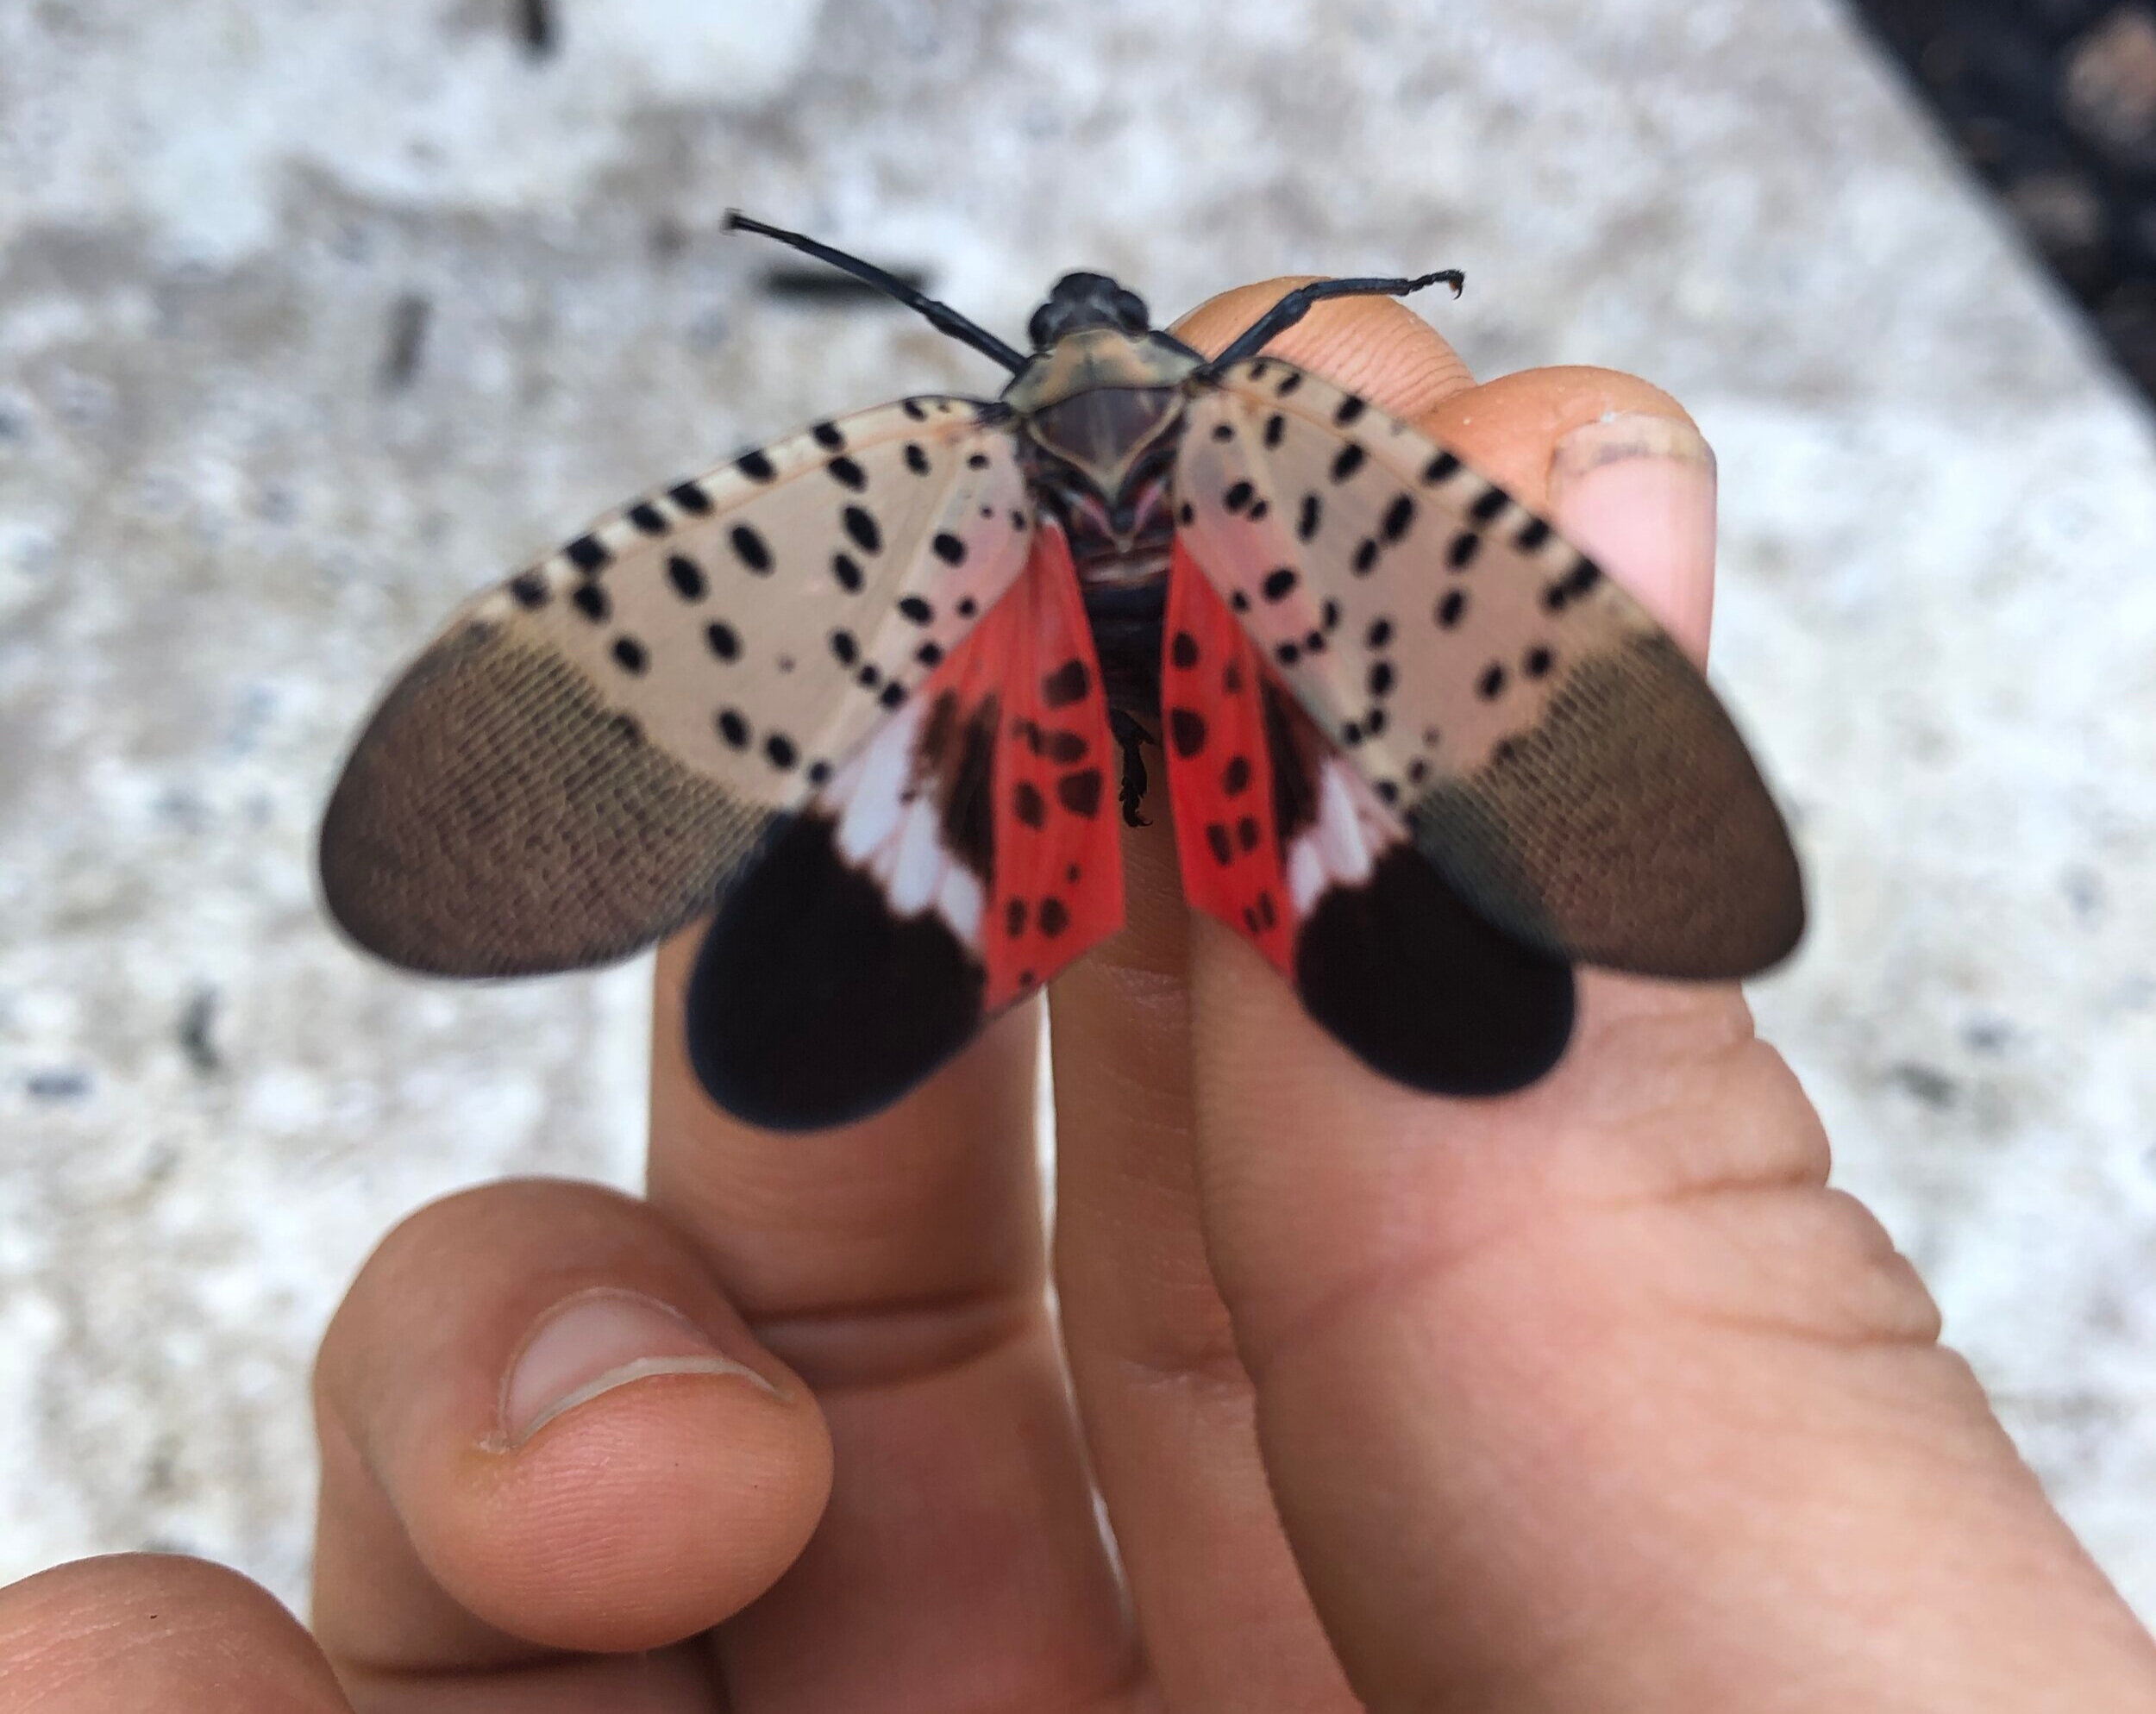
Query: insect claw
{"points": [[1130, 735]]}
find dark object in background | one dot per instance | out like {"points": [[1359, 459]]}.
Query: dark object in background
{"points": [[536, 27], [827, 285], [2053, 102]]}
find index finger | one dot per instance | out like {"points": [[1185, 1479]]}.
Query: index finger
{"points": [[1594, 1396]]}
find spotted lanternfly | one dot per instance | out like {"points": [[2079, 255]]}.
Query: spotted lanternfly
{"points": [[874, 692]]}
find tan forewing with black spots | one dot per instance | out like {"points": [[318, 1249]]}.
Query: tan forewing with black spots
{"points": [[590, 749], [1541, 738]]}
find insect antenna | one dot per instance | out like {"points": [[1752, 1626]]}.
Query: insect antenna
{"points": [[1299, 302], [941, 316]]}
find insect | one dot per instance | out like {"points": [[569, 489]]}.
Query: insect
{"points": [[874, 695]]}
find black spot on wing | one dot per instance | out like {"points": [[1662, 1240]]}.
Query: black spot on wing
{"points": [[812, 1003], [967, 800], [1068, 684], [1421, 989]]}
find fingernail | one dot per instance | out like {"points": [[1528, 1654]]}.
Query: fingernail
{"points": [[1636, 493], [596, 1341]]}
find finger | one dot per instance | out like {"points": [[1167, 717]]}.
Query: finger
{"points": [[1167, 1406], [897, 1266], [545, 1432], [155, 1630], [1596, 1396]]}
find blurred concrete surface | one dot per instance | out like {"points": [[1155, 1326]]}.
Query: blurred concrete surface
{"points": [[313, 316]]}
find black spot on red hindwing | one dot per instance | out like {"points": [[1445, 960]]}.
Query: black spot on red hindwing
{"points": [[1028, 805], [1068, 684], [1062, 748], [1080, 792], [969, 779], [1235, 778], [1052, 917], [1014, 918], [1187, 730], [1183, 651], [1216, 842]]}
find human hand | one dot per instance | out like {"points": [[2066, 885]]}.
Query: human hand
{"points": [[1593, 1398]]}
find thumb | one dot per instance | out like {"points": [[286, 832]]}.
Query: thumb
{"points": [[1596, 1397]]}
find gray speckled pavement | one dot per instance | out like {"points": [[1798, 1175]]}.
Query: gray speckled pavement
{"points": [[225, 516]]}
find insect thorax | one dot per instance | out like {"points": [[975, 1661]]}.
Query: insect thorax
{"points": [[1102, 413]]}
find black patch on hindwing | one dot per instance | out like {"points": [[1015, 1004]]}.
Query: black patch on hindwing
{"points": [[1420, 986], [812, 1004]]}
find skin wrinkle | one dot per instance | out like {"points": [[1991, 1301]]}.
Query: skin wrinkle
{"points": [[904, 1343]]}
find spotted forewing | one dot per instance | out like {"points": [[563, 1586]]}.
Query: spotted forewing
{"points": [[592, 751]]}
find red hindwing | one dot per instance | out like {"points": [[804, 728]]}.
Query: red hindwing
{"points": [[1220, 766], [1056, 884]]}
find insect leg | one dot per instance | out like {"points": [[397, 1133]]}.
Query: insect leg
{"points": [[1299, 302], [1129, 735]]}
